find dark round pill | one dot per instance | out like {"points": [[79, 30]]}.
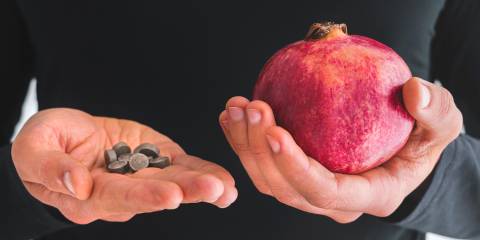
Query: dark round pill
{"points": [[125, 157], [138, 161], [148, 149], [118, 167], [110, 156], [121, 148], [159, 162]]}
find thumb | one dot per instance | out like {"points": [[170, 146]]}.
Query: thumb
{"points": [[55, 170], [437, 117]]}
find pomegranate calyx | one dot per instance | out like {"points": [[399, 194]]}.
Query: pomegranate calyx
{"points": [[325, 30]]}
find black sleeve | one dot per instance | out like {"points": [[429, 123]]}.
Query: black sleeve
{"points": [[15, 67], [22, 216], [450, 204], [448, 201]]}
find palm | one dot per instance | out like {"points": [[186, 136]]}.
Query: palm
{"points": [[100, 133], [83, 138]]}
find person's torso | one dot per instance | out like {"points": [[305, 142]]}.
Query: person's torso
{"points": [[172, 65]]}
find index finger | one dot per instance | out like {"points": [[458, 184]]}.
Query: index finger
{"points": [[113, 194]]}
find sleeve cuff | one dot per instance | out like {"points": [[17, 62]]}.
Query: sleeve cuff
{"points": [[418, 202]]}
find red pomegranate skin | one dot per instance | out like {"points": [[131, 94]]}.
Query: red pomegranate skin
{"points": [[340, 98]]}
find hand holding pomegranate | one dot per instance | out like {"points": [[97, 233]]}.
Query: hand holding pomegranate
{"points": [[340, 97], [278, 167]]}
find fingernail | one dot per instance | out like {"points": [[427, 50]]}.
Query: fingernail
{"points": [[274, 144], [424, 96], [236, 113], [254, 116], [67, 181]]}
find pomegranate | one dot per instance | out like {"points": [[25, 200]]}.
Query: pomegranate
{"points": [[339, 96]]}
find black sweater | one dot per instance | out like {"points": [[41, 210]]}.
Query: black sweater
{"points": [[173, 64]]}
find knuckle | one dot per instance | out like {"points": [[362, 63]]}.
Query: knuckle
{"points": [[457, 122], [286, 198], [258, 151], [459, 117], [385, 211], [81, 220], [322, 202], [448, 113], [264, 191], [446, 102], [123, 218], [126, 218], [262, 188], [77, 216], [327, 199], [394, 198], [345, 219], [241, 146]]}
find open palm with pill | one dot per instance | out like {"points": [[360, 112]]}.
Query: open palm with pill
{"points": [[59, 157]]}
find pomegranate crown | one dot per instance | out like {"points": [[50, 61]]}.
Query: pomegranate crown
{"points": [[322, 29]]}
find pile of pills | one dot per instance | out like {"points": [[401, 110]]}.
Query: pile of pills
{"points": [[120, 158]]}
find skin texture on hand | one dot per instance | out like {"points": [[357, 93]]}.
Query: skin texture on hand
{"points": [[279, 168], [58, 155]]}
